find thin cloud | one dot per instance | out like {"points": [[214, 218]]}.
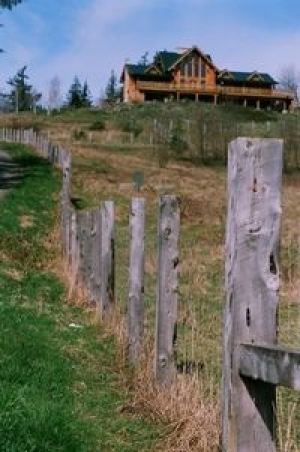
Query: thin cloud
{"points": [[92, 39]]}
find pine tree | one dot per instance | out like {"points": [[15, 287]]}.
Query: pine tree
{"points": [[74, 96], [112, 91], [86, 95], [9, 3], [21, 95]]}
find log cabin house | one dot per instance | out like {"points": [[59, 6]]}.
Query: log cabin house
{"points": [[191, 74]]}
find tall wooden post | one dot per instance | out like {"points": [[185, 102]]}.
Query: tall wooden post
{"points": [[85, 248], [95, 277], [107, 262], [167, 289], [251, 282], [136, 279], [65, 201]]}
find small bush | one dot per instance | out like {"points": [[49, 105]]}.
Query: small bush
{"points": [[79, 134], [97, 125], [130, 126]]}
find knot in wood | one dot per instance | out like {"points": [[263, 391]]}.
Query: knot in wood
{"points": [[163, 360], [167, 232]]}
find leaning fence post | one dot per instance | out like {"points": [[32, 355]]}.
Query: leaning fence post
{"points": [[251, 283], [167, 289], [135, 315], [107, 290]]}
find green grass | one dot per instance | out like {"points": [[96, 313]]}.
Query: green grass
{"points": [[60, 386]]}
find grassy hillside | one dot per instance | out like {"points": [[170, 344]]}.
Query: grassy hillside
{"points": [[60, 375], [109, 146]]}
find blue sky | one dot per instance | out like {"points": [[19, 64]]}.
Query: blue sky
{"points": [[89, 38]]}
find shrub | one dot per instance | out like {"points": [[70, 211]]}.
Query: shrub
{"points": [[130, 126], [79, 134], [97, 125]]}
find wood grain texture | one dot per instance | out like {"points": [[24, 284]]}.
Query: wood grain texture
{"points": [[107, 261], [271, 364], [167, 288], [251, 283], [135, 315]]}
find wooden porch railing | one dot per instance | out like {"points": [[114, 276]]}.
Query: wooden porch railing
{"points": [[199, 88]]}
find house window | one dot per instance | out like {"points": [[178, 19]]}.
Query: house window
{"points": [[203, 69], [190, 68], [182, 68], [196, 67]]}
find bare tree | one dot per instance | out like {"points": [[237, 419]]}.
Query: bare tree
{"points": [[289, 79], [54, 97]]}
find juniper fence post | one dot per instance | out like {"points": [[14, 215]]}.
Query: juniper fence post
{"points": [[167, 289], [251, 282], [135, 313], [107, 271]]}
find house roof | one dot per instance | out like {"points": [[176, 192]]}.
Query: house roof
{"points": [[164, 61], [136, 69], [168, 59], [246, 77], [183, 55]]}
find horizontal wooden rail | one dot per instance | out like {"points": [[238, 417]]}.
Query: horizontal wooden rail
{"points": [[271, 364], [200, 88]]}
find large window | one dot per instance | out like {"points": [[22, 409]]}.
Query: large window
{"points": [[196, 67], [193, 67], [203, 69]]}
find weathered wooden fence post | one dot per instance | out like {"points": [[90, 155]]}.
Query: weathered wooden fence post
{"points": [[252, 281], [107, 271], [95, 277], [84, 243], [167, 289], [65, 202], [135, 313], [74, 246]]}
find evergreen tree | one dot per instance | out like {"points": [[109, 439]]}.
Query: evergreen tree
{"points": [[9, 3], [74, 96], [21, 95], [86, 95], [112, 92], [78, 96]]}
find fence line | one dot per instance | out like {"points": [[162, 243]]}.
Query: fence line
{"points": [[252, 362]]}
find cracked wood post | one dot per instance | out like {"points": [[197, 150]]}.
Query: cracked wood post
{"points": [[95, 277], [74, 246], [135, 315], [167, 289], [84, 242], [251, 283], [65, 202], [107, 259]]}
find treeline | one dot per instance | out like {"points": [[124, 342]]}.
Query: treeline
{"points": [[22, 96]]}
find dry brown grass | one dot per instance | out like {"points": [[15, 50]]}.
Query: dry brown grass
{"points": [[190, 409]]}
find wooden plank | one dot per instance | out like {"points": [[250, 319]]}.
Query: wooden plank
{"points": [[251, 283], [135, 314], [107, 291], [271, 364], [167, 289]]}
